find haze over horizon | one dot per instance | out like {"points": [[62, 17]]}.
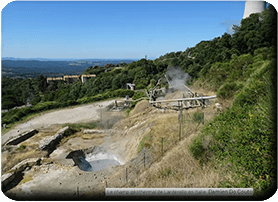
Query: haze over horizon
{"points": [[67, 59], [112, 30]]}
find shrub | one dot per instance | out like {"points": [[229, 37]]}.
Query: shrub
{"points": [[228, 90], [70, 131], [259, 57], [250, 94], [10, 113], [197, 148], [138, 95], [19, 114], [35, 100], [54, 105], [243, 136], [263, 52], [261, 68], [257, 65], [15, 118], [25, 111], [21, 147], [217, 74], [72, 103], [5, 120], [107, 94], [123, 93], [198, 117], [140, 86], [95, 98], [165, 173], [142, 143], [60, 104]]}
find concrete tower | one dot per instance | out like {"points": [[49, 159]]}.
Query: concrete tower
{"points": [[253, 7]]}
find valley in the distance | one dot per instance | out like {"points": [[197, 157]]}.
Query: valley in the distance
{"points": [[31, 68]]}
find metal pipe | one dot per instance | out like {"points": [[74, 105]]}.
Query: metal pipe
{"points": [[180, 117], [184, 99]]}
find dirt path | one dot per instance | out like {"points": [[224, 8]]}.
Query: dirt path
{"points": [[89, 112]]}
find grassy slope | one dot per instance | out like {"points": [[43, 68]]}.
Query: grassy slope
{"points": [[234, 149], [242, 139]]}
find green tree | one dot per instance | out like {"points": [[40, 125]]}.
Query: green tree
{"points": [[8, 102]]}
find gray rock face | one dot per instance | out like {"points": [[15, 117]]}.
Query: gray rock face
{"points": [[26, 163], [49, 142], [7, 178], [15, 176], [22, 137]]}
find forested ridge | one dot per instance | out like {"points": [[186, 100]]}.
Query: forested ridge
{"points": [[255, 36]]}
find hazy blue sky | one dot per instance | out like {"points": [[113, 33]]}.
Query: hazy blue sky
{"points": [[112, 29]]}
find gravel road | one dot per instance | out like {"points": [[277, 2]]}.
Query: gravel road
{"points": [[89, 112]]}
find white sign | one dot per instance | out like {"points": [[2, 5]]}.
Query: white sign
{"points": [[179, 191]]}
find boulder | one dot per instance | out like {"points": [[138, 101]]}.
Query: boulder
{"points": [[18, 139], [50, 142], [217, 105], [26, 163]]}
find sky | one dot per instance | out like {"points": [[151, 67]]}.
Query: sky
{"points": [[131, 30]]}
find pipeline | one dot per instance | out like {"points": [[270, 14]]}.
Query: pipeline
{"points": [[185, 99]]}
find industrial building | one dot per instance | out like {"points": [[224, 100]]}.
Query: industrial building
{"points": [[71, 79], [253, 7], [130, 86], [53, 79], [86, 77]]}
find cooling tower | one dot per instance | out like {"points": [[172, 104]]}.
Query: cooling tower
{"points": [[253, 7]]}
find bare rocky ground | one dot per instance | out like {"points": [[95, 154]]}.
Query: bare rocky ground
{"points": [[54, 181], [58, 178], [84, 113]]}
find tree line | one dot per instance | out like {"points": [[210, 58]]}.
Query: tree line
{"points": [[257, 31]]}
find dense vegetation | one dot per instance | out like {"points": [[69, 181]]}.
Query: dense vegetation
{"points": [[242, 138]]}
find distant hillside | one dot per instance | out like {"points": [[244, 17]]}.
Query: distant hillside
{"points": [[21, 68]]}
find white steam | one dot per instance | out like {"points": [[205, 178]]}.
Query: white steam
{"points": [[177, 78]]}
